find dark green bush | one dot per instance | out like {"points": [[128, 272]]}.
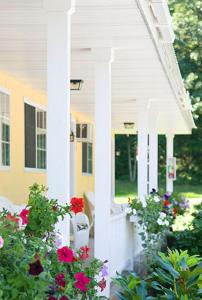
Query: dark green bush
{"points": [[189, 239]]}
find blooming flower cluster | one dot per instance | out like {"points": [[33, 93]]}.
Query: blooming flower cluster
{"points": [[162, 220], [39, 260]]}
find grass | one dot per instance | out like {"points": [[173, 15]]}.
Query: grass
{"points": [[125, 189]]}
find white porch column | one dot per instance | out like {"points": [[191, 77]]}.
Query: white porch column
{"points": [[113, 167], [58, 112], [169, 153], [103, 59], [153, 152], [142, 150]]}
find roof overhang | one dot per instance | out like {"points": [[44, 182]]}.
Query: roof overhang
{"points": [[144, 66]]}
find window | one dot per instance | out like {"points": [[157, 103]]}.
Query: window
{"points": [[4, 129], [35, 137], [81, 131], [87, 158]]}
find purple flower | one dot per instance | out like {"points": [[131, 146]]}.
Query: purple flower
{"points": [[166, 196], [104, 271], [35, 268], [58, 240], [153, 191]]}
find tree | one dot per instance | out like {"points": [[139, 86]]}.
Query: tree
{"points": [[187, 21]]}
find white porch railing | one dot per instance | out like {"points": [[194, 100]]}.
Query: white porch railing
{"points": [[121, 244]]}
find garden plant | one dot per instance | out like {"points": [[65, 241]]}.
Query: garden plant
{"points": [[34, 265]]}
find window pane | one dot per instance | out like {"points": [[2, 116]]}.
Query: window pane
{"points": [[4, 129], [78, 130], [5, 132], [84, 158], [41, 141], [5, 154], [41, 119], [84, 131], [30, 136], [41, 159], [90, 158]]}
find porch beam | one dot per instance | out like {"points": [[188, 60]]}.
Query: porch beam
{"points": [[103, 165], [58, 112]]}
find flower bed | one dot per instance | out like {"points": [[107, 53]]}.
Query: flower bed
{"points": [[34, 264]]}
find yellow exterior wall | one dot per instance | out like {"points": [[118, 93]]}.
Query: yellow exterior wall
{"points": [[15, 181]]}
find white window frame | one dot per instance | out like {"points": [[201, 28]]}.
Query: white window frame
{"points": [[37, 108], [87, 173], [3, 167]]}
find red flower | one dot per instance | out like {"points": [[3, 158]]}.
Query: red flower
{"points": [[60, 280], [84, 253], [166, 203], [65, 254], [175, 210], [35, 268], [64, 298], [77, 205], [102, 284], [81, 281], [23, 215], [12, 218]]}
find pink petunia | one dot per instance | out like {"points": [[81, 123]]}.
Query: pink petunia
{"points": [[23, 215], [81, 281], [1, 242], [65, 254], [60, 280]]}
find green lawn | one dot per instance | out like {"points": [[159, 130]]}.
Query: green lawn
{"points": [[125, 189]]}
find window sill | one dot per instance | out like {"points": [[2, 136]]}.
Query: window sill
{"points": [[87, 174], [5, 168], [35, 170]]}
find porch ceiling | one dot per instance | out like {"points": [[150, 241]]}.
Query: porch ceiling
{"points": [[138, 72]]}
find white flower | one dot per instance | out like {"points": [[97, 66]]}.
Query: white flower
{"points": [[128, 210], [162, 215], [144, 204], [159, 221], [156, 199], [134, 211]]}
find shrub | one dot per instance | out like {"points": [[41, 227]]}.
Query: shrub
{"points": [[189, 239], [132, 287], [178, 276]]}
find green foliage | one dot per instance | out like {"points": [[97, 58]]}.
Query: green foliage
{"points": [[189, 239], [132, 287], [178, 276], [43, 213]]}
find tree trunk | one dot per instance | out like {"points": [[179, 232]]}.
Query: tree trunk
{"points": [[129, 162]]}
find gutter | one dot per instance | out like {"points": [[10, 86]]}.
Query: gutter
{"points": [[167, 55]]}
